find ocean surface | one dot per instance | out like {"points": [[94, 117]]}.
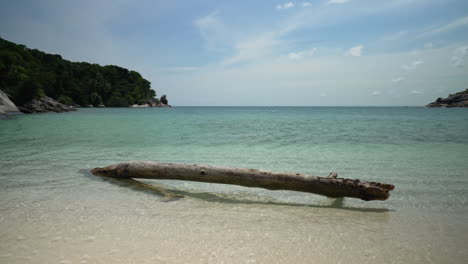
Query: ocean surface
{"points": [[52, 210]]}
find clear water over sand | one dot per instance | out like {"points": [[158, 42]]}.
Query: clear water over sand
{"points": [[51, 212]]}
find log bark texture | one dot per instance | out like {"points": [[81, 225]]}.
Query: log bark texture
{"points": [[330, 186]]}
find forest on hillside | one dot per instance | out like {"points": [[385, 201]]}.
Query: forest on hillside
{"points": [[26, 74]]}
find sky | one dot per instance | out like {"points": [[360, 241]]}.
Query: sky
{"points": [[261, 53]]}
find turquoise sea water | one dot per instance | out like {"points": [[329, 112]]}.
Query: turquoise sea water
{"points": [[422, 151]]}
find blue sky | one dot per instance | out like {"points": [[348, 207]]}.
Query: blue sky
{"points": [[318, 53]]}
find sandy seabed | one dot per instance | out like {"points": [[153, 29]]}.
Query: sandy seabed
{"points": [[126, 226]]}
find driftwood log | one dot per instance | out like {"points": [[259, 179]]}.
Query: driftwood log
{"points": [[330, 186]]}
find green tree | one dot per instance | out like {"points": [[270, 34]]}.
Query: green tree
{"points": [[65, 100], [27, 91]]}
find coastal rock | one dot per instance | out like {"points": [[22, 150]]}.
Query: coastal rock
{"points": [[43, 105], [140, 106], [453, 100], [155, 102], [6, 105]]}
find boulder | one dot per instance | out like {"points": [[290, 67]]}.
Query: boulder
{"points": [[43, 105], [155, 102], [140, 106], [6, 105]]}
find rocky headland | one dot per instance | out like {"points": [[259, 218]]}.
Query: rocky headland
{"points": [[453, 100], [38, 82]]}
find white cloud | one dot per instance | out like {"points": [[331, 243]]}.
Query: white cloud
{"points": [[356, 51], [323, 94], [310, 18], [457, 62], [208, 20], [413, 65], [295, 56], [306, 4], [417, 92], [458, 58], [428, 45], [212, 30], [301, 54], [252, 48], [418, 62], [461, 22], [406, 67], [398, 79], [261, 44], [337, 1], [268, 78], [285, 5]]}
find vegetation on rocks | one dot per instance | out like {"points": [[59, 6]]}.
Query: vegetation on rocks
{"points": [[459, 99]]}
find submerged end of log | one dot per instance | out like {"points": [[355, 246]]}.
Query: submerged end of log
{"points": [[330, 186], [109, 171]]}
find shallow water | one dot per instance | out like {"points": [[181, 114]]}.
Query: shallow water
{"points": [[51, 212]]}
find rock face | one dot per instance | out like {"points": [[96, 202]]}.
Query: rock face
{"points": [[155, 102], [43, 105], [454, 100], [6, 105]]}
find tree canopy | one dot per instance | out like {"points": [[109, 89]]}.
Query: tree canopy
{"points": [[29, 73]]}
